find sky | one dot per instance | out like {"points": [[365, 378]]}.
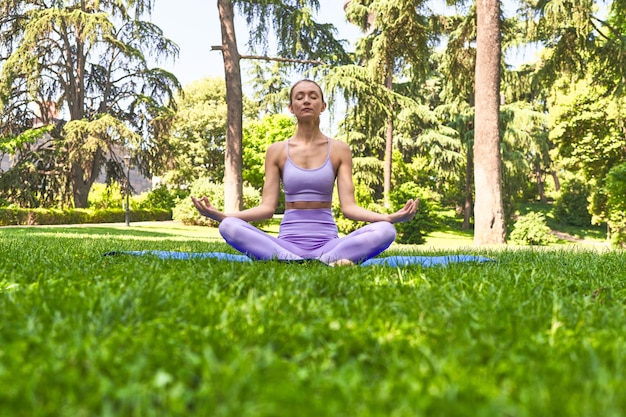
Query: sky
{"points": [[194, 25]]}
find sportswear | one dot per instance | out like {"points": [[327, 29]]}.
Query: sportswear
{"points": [[300, 184]]}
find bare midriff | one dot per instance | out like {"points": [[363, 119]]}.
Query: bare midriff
{"points": [[304, 205]]}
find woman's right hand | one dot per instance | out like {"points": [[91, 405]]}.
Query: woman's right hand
{"points": [[406, 213], [205, 208]]}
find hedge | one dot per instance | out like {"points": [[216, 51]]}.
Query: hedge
{"points": [[13, 216]]}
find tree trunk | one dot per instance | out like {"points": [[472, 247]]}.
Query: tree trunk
{"points": [[469, 201], [489, 225], [557, 183], [233, 160], [541, 185], [76, 104], [80, 187], [388, 151]]}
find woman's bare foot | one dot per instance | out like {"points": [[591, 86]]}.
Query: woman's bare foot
{"points": [[342, 262]]}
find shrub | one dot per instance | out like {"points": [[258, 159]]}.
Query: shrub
{"points": [[161, 198], [364, 198], [185, 211], [616, 204], [103, 196], [531, 229], [415, 231], [40, 216], [571, 205]]}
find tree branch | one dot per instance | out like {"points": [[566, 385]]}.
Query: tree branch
{"points": [[279, 59]]}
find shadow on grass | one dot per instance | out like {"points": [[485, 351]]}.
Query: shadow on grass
{"points": [[87, 230], [452, 225]]}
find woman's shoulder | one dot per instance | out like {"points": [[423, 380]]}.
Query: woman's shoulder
{"points": [[276, 145], [276, 150], [339, 146], [340, 153]]}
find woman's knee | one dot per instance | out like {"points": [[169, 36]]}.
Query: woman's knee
{"points": [[229, 226], [387, 231]]}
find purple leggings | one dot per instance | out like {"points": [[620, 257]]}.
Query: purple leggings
{"points": [[308, 234]]}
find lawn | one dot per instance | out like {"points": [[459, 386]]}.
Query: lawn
{"points": [[536, 332]]}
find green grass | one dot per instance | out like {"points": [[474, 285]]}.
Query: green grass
{"points": [[537, 332]]}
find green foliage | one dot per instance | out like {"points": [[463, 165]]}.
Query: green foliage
{"points": [[292, 25], [11, 216], [400, 33], [587, 126], [536, 333], [11, 145], [162, 197], [616, 190], [257, 137], [106, 196], [571, 205], [525, 151], [186, 212], [415, 231], [198, 133], [364, 198], [27, 182], [87, 63], [531, 229]]}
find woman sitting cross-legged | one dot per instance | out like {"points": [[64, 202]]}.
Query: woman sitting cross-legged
{"points": [[308, 164]]}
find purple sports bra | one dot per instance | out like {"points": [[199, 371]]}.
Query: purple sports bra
{"points": [[301, 184]]}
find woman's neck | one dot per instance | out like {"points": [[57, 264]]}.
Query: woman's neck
{"points": [[308, 132]]}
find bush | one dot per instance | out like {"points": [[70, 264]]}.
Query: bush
{"points": [[364, 198], [162, 198], [415, 231], [571, 205], [103, 196], [186, 212], [616, 204], [531, 229], [39, 216]]}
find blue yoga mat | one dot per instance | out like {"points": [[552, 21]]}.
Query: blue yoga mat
{"points": [[394, 261]]}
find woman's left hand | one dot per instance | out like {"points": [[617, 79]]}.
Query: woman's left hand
{"points": [[406, 213]]}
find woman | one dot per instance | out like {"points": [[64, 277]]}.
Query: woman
{"points": [[308, 164]]}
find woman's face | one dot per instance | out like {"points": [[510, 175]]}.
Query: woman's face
{"points": [[306, 100]]}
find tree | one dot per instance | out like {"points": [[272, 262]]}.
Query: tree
{"points": [[584, 68], [398, 36], [456, 73], [588, 129], [365, 124], [258, 135], [198, 134], [233, 180], [489, 226], [83, 62]]}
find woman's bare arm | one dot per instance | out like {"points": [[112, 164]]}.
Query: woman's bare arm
{"points": [[269, 196], [347, 200]]}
